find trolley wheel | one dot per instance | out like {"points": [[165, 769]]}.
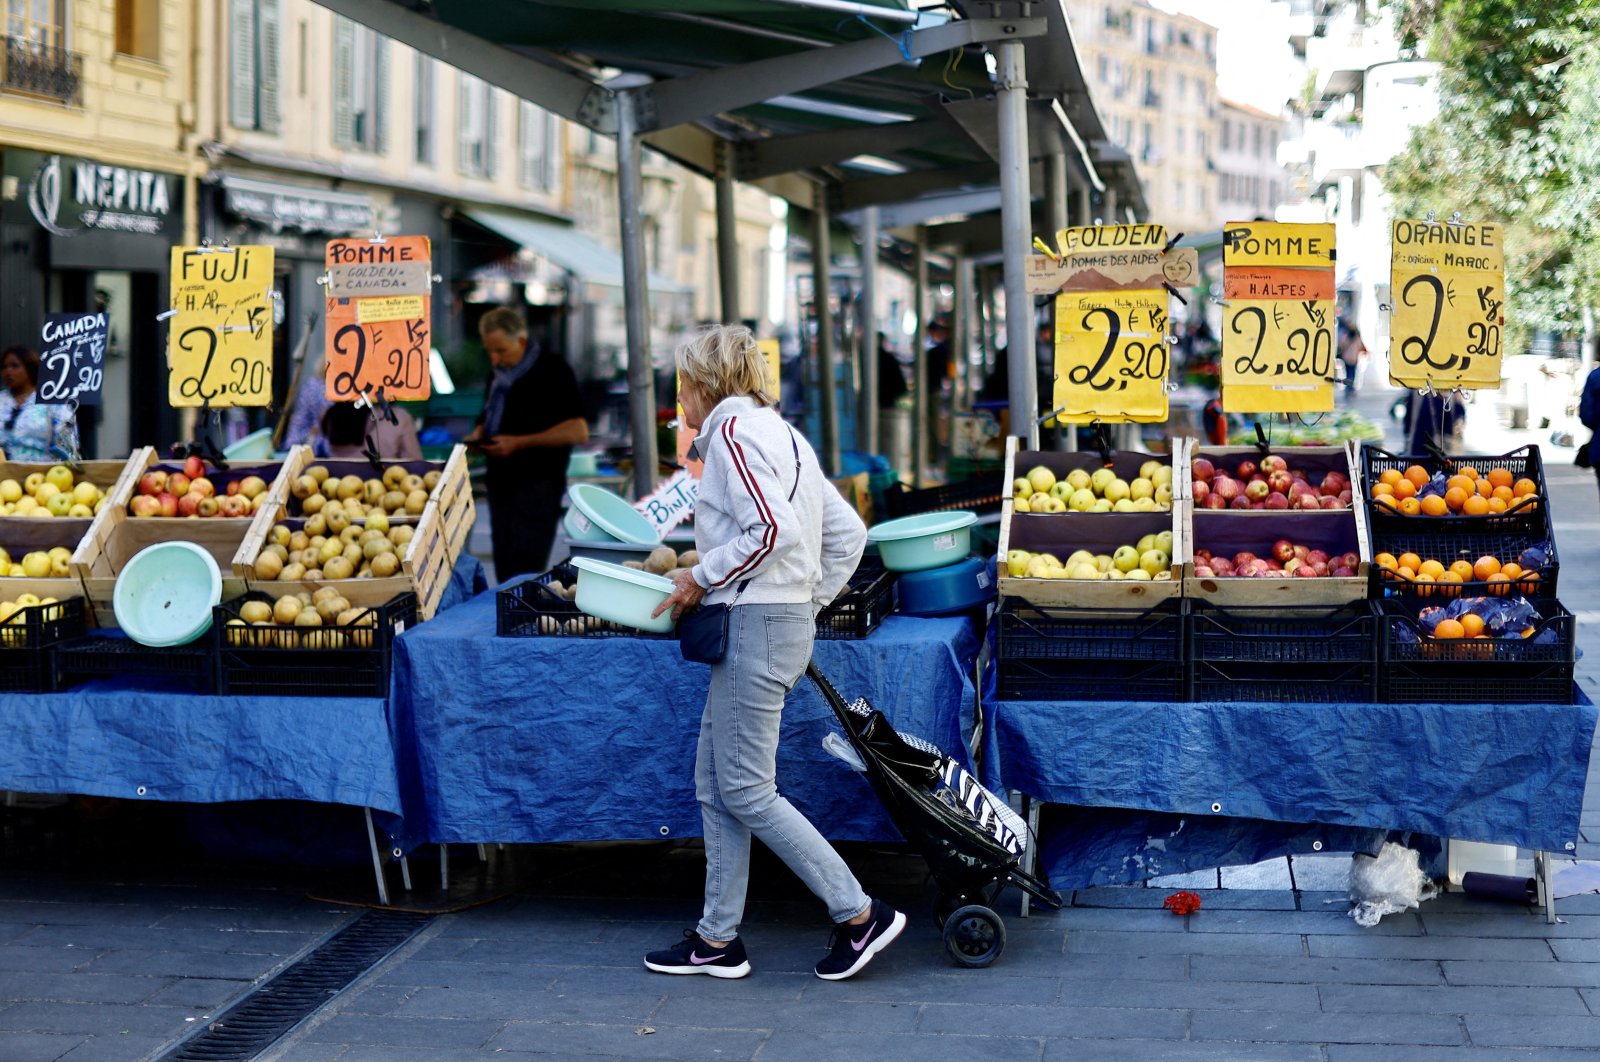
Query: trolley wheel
{"points": [[974, 936], [944, 907]]}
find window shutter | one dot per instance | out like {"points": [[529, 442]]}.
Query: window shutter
{"points": [[555, 155], [271, 59], [491, 122], [527, 144], [242, 71], [464, 123], [380, 94], [344, 85], [424, 108]]}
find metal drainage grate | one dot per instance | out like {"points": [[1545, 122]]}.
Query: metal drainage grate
{"points": [[255, 1022]]}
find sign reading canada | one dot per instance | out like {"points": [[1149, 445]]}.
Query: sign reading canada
{"points": [[1278, 317], [1111, 357], [379, 317], [219, 340], [1447, 280]]}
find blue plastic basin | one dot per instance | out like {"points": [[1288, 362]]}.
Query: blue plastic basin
{"points": [[598, 515], [165, 594], [622, 595], [927, 540], [945, 591]]}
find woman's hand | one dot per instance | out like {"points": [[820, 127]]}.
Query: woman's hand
{"points": [[686, 594]]}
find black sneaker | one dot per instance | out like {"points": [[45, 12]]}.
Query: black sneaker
{"points": [[693, 956], [852, 947]]}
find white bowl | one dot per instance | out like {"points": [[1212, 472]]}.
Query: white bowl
{"points": [[622, 595]]}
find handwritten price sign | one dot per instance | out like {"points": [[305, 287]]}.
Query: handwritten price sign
{"points": [[1111, 356], [1448, 287], [1277, 326], [72, 362], [379, 317], [219, 345]]}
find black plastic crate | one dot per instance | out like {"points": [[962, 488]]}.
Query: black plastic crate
{"points": [[1437, 542], [1039, 632], [1417, 669], [114, 656], [983, 493], [353, 660], [531, 609], [866, 600], [1278, 635], [1522, 518], [27, 664], [1353, 682], [1097, 680]]}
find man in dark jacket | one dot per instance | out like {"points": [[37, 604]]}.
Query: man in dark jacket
{"points": [[1589, 414], [530, 424]]}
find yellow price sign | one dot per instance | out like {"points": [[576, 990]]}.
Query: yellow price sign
{"points": [[219, 347], [1447, 281], [770, 350], [1111, 356], [1278, 356]]}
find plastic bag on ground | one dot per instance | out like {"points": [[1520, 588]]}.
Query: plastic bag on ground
{"points": [[1386, 884]]}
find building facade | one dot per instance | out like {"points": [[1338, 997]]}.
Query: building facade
{"points": [[99, 164], [1251, 182], [1155, 78]]}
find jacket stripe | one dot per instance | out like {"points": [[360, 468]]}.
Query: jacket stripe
{"points": [[770, 537]]}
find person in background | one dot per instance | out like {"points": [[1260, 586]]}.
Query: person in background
{"points": [[30, 431], [937, 373], [531, 421], [1589, 415], [1351, 351], [891, 377], [345, 429], [777, 542], [1429, 418]]}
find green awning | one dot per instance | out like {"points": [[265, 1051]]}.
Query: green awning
{"points": [[565, 247]]}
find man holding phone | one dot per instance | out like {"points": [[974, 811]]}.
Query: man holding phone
{"points": [[527, 431]]}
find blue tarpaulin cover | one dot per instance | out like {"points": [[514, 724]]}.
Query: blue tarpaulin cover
{"points": [[1508, 774], [572, 739]]}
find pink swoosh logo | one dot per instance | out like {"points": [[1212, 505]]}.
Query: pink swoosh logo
{"points": [[858, 945], [698, 961]]}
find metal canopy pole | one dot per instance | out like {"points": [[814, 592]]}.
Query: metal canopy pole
{"points": [[635, 301], [1056, 209], [919, 360], [1015, 218], [827, 376], [1111, 206], [1085, 204], [727, 246], [961, 333], [868, 428]]}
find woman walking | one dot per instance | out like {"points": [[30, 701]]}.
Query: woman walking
{"points": [[776, 542], [30, 430]]}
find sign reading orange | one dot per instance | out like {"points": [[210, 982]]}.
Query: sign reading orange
{"points": [[378, 342]]}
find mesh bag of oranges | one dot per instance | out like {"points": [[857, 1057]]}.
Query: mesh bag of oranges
{"points": [[1437, 572], [1485, 628]]}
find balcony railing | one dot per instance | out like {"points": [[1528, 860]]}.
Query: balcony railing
{"points": [[38, 69]]}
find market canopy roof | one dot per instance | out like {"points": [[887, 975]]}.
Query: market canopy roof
{"points": [[881, 103], [564, 246]]}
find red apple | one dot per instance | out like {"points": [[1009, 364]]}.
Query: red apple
{"points": [[1332, 503], [193, 467], [1202, 555], [235, 505], [232, 488], [177, 484], [1227, 489], [1222, 565], [202, 487], [1241, 502], [1330, 486], [1202, 571], [1257, 490], [1342, 572], [1303, 552], [1317, 555], [209, 506], [1202, 469], [1320, 567], [144, 505], [1247, 469], [252, 486], [1291, 564], [1282, 549], [1307, 502], [169, 504], [1243, 557], [153, 483], [1277, 501], [1202, 491], [1275, 565], [1274, 463], [1345, 497], [1307, 571], [1216, 501], [1280, 481], [1351, 561], [189, 505]]}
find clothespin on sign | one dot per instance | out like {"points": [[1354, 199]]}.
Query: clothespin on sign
{"points": [[1263, 439], [379, 405], [1046, 250], [1100, 439], [203, 446]]}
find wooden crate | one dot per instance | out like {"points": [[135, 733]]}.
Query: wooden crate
{"points": [[1062, 533], [452, 470], [440, 535], [1345, 459], [23, 534], [116, 535]]}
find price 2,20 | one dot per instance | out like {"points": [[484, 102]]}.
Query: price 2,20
{"points": [[56, 384], [1140, 360], [398, 367], [246, 377], [1304, 351]]}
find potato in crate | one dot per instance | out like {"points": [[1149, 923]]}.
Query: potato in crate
{"points": [[308, 644]]}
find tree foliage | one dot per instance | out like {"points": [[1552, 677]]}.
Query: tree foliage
{"points": [[1515, 141]]}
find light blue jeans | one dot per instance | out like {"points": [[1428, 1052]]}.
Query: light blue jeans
{"points": [[736, 766]]}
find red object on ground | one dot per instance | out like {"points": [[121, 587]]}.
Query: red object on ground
{"points": [[1182, 903]]}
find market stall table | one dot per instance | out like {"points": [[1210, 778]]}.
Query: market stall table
{"points": [[556, 738], [1498, 773]]}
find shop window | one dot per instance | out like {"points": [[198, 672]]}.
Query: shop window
{"points": [[360, 87], [538, 148], [139, 28], [476, 118], [423, 89], [254, 42]]}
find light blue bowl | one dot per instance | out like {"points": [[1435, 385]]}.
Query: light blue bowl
{"points": [[622, 595], [165, 594], [927, 540], [598, 515]]}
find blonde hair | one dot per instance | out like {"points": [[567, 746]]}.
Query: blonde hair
{"points": [[503, 319], [721, 361]]}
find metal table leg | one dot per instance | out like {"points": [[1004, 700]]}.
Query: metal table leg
{"points": [[405, 873], [444, 868], [377, 859], [1544, 876], [1030, 858]]}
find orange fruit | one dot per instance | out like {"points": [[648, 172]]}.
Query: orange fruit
{"points": [[1406, 572], [1405, 489], [1433, 505], [1485, 488], [1475, 506], [1410, 560], [1390, 476], [1431, 568], [1449, 585], [1500, 477], [1465, 483], [1382, 490], [1417, 475], [1485, 567], [1455, 498], [1503, 493], [1499, 583], [1528, 577], [1385, 560], [1470, 471], [1496, 505], [1449, 628], [1410, 507], [1511, 569], [1422, 585], [1472, 624], [1524, 486], [1462, 569]]}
